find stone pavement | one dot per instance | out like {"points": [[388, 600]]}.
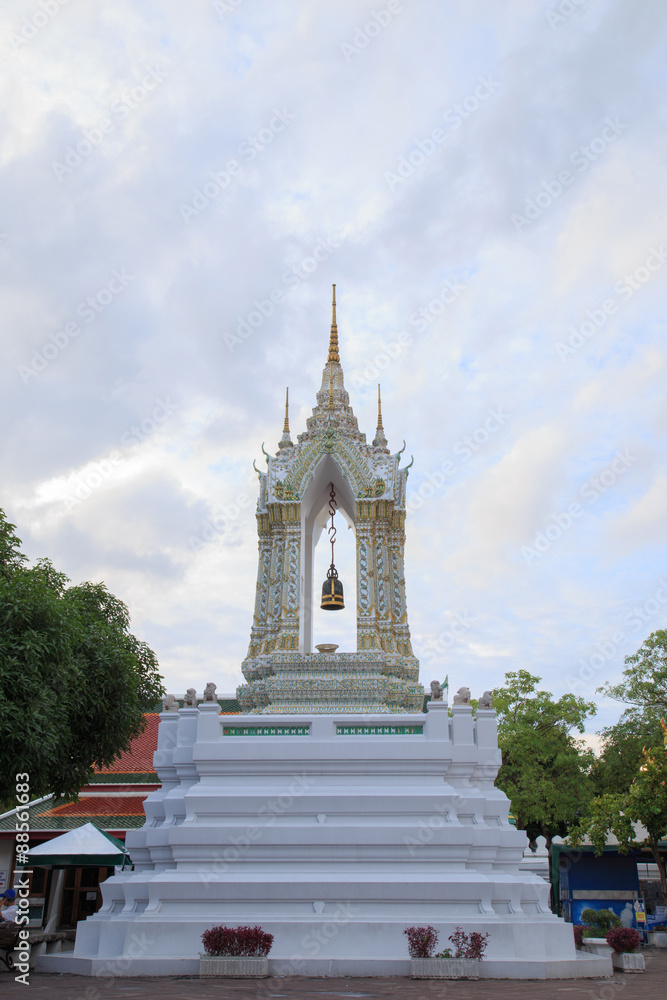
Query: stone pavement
{"points": [[651, 985]]}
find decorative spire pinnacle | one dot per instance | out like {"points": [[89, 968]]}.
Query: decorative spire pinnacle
{"points": [[286, 440], [380, 441], [333, 338], [331, 399]]}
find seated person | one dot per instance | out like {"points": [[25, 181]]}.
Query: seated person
{"points": [[8, 909]]}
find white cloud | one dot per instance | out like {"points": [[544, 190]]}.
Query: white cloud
{"points": [[323, 177]]}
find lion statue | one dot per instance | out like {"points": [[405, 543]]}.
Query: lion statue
{"points": [[436, 691], [462, 696], [209, 692]]}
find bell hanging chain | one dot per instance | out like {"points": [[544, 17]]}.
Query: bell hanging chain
{"points": [[332, 527]]}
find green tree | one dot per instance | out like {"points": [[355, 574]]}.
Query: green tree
{"points": [[545, 768], [74, 681], [621, 754], [644, 690], [644, 802], [644, 684]]}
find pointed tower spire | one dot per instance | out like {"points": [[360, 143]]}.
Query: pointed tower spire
{"points": [[380, 441], [333, 338], [286, 440]]}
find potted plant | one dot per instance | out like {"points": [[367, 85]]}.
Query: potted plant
{"points": [[625, 943], [235, 952], [657, 936], [596, 925], [462, 964]]}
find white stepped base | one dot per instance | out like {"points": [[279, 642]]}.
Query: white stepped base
{"points": [[581, 967], [333, 833]]}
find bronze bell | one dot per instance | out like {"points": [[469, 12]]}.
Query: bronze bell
{"points": [[332, 591]]}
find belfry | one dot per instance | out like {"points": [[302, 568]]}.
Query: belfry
{"points": [[282, 671], [336, 809]]}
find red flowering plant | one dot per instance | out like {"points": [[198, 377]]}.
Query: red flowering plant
{"points": [[421, 941], [237, 942], [623, 938], [578, 930], [471, 945]]}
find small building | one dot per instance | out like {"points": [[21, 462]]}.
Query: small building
{"points": [[610, 881], [113, 801]]}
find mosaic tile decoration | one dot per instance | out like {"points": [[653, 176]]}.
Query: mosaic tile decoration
{"points": [[379, 730], [266, 731]]}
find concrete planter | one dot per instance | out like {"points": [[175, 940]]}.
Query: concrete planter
{"points": [[658, 939], [628, 961], [444, 968], [232, 967], [597, 946]]}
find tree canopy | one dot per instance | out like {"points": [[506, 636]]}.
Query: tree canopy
{"points": [[644, 802], [630, 776], [644, 684], [545, 768], [74, 681]]}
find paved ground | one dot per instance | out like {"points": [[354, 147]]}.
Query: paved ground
{"points": [[651, 985]]}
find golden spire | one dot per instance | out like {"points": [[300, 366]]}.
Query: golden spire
{"points": [[379, 409], [286, 426], [333, 339]]}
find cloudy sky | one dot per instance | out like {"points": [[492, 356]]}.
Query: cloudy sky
{"points": [[485, 182]]}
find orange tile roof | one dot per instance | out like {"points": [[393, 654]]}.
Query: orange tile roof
{"points": [[100, 805], [138, 758]]}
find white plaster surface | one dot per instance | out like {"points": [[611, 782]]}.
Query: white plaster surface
{"points": [[333, 843]]}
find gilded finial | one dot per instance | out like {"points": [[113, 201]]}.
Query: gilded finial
{"points": [[286, 426], [333, 338], [379, 410]]}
